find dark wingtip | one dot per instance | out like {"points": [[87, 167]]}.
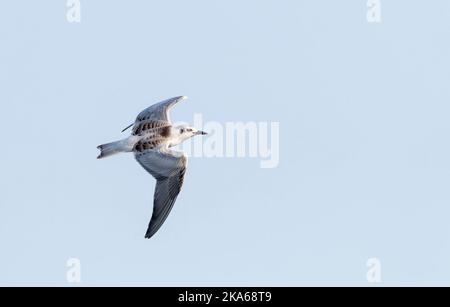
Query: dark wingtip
{"points": [[128, 127], [100, 155], [149, 234]]}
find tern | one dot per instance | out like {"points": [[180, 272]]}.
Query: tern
{"points": [[150, 141]]}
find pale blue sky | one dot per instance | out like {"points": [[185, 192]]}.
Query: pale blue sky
{"points": [[364, 152]]}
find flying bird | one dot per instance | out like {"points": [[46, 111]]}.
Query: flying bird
{"points": [[150, 141]]}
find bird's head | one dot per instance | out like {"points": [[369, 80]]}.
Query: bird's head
{"points": [[185, 132]]}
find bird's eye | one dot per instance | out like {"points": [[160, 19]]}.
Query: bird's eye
{"points": [[182, 131]]}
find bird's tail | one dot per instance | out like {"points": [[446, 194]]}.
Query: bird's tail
{"points": [[110, 149]]}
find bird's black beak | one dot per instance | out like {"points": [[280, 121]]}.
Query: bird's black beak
{"points": [[201, 133]]}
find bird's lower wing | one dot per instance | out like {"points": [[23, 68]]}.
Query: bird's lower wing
{"points": [[166, 193], [168, 167]]}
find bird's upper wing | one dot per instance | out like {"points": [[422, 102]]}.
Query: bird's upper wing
{"points": [[160, 110], [157, 112], [168, 167]]}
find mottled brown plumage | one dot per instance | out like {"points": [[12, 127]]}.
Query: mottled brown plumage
{"points": [[152, 134]]}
